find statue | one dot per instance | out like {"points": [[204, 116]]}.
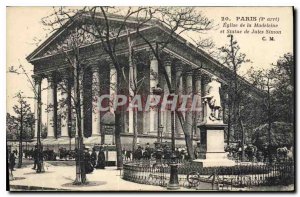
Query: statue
{"points": [[212, 100]]}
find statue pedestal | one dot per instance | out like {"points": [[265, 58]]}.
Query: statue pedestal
{"points": [[212, 145]]}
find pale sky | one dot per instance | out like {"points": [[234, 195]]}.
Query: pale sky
{"points": [[24, 27]]}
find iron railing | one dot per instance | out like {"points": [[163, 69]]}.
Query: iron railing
{"points": [[241, 175]]}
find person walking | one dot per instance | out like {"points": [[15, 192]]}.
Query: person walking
{"points": [[12, 161], [39, 161], [138, 154], [35, 157], [87, 162], [101, 159], [93, 158]]}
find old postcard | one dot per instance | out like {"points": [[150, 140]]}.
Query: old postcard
{"points": [[150, 99]]}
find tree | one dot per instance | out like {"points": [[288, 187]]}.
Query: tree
{"points": [[95, 21], [98, 30], [281, 135], [22, 109], [264, 79], [11, 127], [284, 85], [234, 59], [176, 21], [20, 70], [278, 102]]}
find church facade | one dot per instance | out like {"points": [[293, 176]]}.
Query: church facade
{"points": [[188, 68]]}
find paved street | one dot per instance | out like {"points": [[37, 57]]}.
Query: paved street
{"points": [[61, 178]]}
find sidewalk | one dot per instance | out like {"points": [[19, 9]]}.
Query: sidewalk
{"points": [[61, 178]]}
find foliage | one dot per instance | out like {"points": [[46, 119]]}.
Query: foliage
{"points": [[278, 102], [11, 127], [95, 24], [282, 134], [238, 92], [24, 117], [283, 94]]}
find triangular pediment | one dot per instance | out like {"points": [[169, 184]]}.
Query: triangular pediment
{"points": [[78, 34]]}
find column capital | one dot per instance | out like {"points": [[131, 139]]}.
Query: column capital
{"points": [[151, 56], [65, 75], [198, 74], [206, 77], [50, 77], [95, 68], [37, 78], [168, 60], [110, 63], [178, 66], [189, 73]]}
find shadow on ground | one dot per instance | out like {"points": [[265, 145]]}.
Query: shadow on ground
{"points": [[88, 184]]}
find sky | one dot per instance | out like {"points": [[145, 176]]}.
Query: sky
{"points": [[24, 27]]}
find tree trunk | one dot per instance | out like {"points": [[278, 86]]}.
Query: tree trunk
{"points": [[243, 135], [189, 145], [188, 139], [80, 170], [132, 89], [229, 127], [21, 139], [187, 136], [135, 134], [118, 129], [40, 166], [118, 126]]}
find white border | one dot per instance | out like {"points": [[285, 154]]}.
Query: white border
{"points": [[5, 3]]}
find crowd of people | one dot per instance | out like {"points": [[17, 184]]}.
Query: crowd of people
{"points": [[92, 160], [96, 158], [161, 152], [264, 154]]}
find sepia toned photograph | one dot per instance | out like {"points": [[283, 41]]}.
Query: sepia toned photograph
{"points": [[181, 99]]}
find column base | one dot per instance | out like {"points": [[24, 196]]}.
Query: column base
{"points": [[50, 137]]}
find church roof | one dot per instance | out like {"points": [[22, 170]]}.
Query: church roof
{"points": [[149, 25]]}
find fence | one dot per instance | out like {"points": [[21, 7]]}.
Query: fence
{"points": [[191, 174]]}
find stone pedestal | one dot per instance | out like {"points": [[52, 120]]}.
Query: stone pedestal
{"points": [[212, 145]]}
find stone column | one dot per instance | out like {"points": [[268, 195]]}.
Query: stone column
{"points": [[37, 87], [112, 92], [50, 107], [167, 113], [80, 80], [189, 113], [96, 101], [179, 90], [81, 74], [73, 110], [113, 85], [154, 80], [132, 79], [205, 110], [64, 108], [197, 97]]}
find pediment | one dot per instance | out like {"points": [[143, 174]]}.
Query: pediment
{"points": [[73, 35]]}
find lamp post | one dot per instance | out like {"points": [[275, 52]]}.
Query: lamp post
{"points": [[160, 130], [173, 183], [158, 91], [70, 136]]}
